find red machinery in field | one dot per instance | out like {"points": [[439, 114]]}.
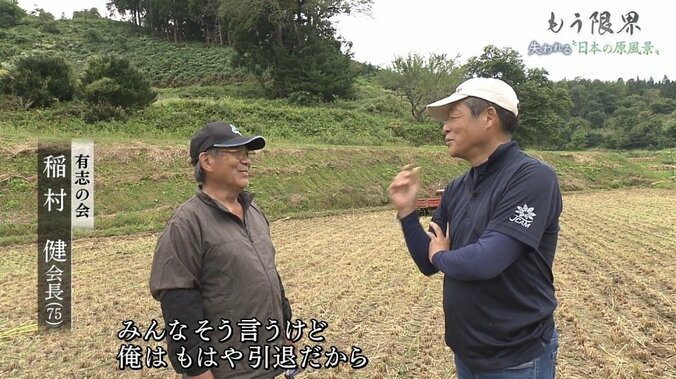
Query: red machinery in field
{"points": [[427, 205]]}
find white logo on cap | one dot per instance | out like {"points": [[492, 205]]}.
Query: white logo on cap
{"points": [[234, 129]]}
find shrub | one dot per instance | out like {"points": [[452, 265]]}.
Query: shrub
{"points": [[104, 90], [10, 103], [41, 79], [42, 15], [304, 98], [50, 27], [103, 112], [10, 13], [92, 35], [112, 80], [87, 14], [419, 133], [4, 77]]}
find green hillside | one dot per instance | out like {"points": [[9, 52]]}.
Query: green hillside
{"points": [[165, 64], [349, 123], [197, 83]]}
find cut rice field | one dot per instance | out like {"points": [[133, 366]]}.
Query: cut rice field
{"points": [[615, 275]]}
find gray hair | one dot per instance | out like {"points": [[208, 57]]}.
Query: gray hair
{"points": [[198, 171], [508, 121]]}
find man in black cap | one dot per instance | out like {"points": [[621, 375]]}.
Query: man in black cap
{"points": [[214, 269]]}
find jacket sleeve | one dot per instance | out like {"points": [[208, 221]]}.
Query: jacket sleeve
{"points": [[177, 262], [286, 306], [530, 206], [417, 242], [185, 307], [483, 260], [175, 283]]}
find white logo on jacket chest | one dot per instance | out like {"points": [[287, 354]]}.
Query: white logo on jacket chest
{"points": [[523, 215]]}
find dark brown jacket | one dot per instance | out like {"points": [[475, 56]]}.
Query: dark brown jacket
{"points": [[232, 265]]}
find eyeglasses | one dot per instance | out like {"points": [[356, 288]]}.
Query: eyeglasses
{"points": [[240, 154]]}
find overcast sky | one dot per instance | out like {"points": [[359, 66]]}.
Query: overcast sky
{"points": [[397, 27]]}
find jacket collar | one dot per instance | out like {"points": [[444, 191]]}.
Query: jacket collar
{"points": [[501, 157], [245, 198]]}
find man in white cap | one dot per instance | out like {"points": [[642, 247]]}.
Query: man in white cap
{"points": [[493, 237]]}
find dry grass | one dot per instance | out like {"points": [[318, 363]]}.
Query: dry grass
{"points": [[615, 275]]}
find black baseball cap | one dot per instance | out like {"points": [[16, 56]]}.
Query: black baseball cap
{"points": [[221, 134]]}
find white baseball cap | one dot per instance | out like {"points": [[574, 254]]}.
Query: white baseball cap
{"points": [[494, 90]]}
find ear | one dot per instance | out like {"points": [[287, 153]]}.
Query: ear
{"points": [[491, 118], [207, 162]]}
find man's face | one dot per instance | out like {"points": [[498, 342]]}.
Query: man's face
{"points": [[230, 167], [463, 133]]}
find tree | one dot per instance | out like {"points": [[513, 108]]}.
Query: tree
{"points": [[576, 134], [420, 80], [40, 80], [670, 131], [319, 68], [46, 21], [42, 15], [504, 64], [133, 7], [663, 106], [4, 79], [205, 14], [91, 13], [112, 80], [10, 13], [543, 109], [647, 134], [273, 38]]}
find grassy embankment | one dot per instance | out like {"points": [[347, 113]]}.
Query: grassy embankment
{"points": [[139, 184]]}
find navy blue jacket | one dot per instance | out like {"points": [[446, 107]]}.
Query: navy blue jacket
{"points": [[503, 319]]}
